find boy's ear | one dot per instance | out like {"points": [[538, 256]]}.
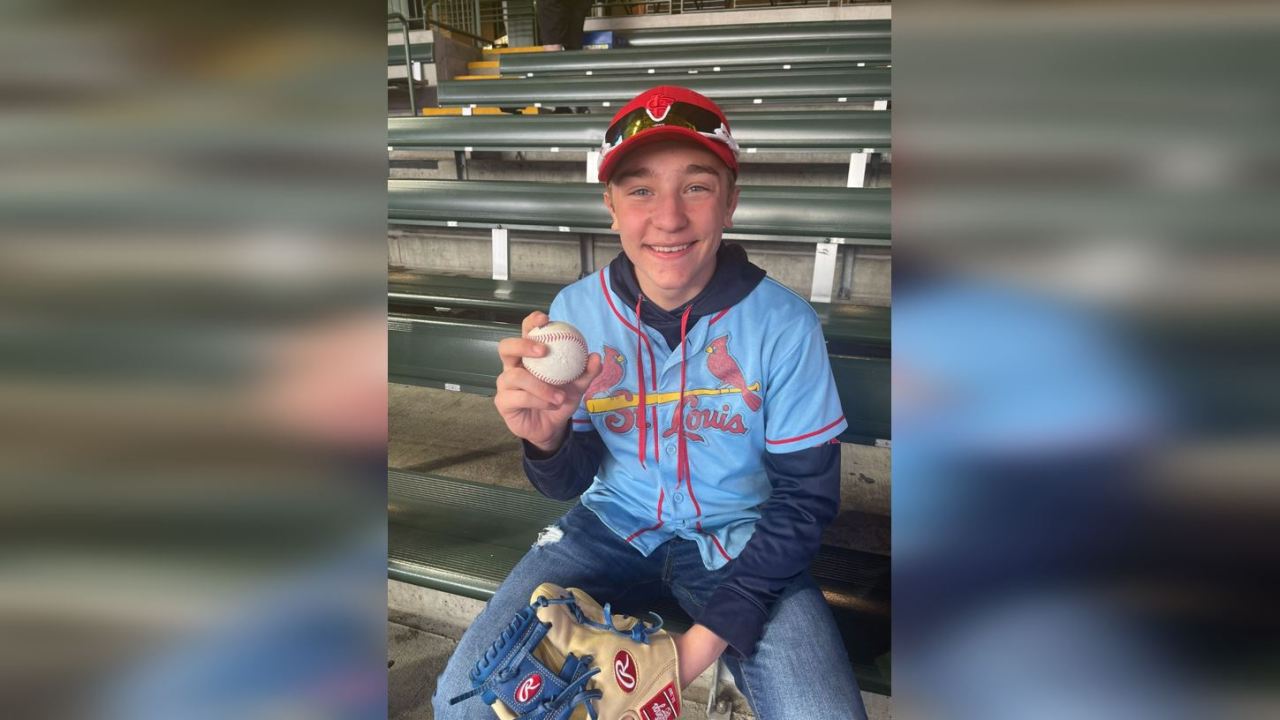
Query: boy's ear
{"points": [[733, 205], [608, 205]]}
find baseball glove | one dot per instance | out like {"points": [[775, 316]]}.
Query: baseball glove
{"points": [[546, 665]]}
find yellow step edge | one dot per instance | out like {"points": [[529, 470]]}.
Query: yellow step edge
{"points": [[482, 77], [521, 49], [482, 64], [448, 111]]}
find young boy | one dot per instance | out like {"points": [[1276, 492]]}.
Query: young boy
{"points": [[701, 438]]}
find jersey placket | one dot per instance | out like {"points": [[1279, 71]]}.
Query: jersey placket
{"points": [[683, 514]]}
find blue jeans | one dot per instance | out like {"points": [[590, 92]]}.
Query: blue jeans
{"points": [[800, 668]]}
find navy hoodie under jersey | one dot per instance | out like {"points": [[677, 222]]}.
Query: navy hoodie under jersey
{"points": [[738, 609]]}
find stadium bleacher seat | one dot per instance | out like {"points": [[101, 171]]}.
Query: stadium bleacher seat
{"points": [[702, 35], [419, 52], [860, 214], [774, 88], [445, 331], [847, 53], [818, 130]]}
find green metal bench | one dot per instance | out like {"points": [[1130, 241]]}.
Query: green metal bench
{"points": [[849, 329], [854, 215], [774, 88], [822, 131], [419, 52], [464, 538], [757, 33], [461, 355], [846, 53]]}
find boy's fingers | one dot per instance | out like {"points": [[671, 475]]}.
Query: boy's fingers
{"points": [[535, 319], [519, 379], [521, 400], [511, 350]]}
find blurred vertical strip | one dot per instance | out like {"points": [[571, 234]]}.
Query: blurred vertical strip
{"points": [[1086, 398], [192, 360]]}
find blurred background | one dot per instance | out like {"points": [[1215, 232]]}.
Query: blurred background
{"points": [[1085, 396], [192, 360]]}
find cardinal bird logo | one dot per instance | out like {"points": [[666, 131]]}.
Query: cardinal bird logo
{"points": [[610, 375], [725, 368]]}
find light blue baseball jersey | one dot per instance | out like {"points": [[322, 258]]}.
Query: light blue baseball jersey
{"points": [[755, 378]]}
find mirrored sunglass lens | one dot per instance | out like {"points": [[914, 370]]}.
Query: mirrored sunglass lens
{"points": [[644, 122], [636, 124], [693, 118]]}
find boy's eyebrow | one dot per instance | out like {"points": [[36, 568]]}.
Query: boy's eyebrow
{"points": [[642, 172], [695, 169]]}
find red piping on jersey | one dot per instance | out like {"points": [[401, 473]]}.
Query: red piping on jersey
{"points": [[715, 540], [683, 471], [642, 531], [642, 413], [820, 430], [718, 316], [656, 457], [609, 298]]}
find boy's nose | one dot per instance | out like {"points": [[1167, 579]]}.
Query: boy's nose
{"points": [[669, 215]]}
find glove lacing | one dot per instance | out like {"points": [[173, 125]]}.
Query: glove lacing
{"points": [[581, 696], [639, 633]]}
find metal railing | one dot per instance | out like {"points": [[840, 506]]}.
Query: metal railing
{"points": [[518, 18], [395, 17], [677, 7]]}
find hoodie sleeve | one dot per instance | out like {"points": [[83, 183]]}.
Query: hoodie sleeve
{"points": [[805, 498], [569, 471]]}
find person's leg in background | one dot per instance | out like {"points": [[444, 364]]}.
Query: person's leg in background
{"points": [[800, 668], [577, 11], [587, 556], [560, 23], [554, 21]]}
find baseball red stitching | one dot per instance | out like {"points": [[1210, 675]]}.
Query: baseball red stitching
{"points": [[553, 336]]}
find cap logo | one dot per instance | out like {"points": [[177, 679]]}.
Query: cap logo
{"points": [[658, 106]]}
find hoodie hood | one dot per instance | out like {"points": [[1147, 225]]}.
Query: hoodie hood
{"points": [[734, 278]]}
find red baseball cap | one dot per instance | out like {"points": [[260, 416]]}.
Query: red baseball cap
{"points": [[667, 112]]}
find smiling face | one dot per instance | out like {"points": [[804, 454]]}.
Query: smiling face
{"points": [[670, 203]]}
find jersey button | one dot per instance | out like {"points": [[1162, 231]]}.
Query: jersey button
{"points": [[671, 448], [679, 497]]}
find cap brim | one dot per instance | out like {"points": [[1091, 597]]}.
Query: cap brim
{"points": [[611, 161]]}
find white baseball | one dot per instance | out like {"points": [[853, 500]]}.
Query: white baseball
{"points": [[566, 357]]}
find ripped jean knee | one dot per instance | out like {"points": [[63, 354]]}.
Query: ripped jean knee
{"points": [[550, 534]]}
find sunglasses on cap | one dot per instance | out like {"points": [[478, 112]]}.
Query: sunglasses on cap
{"points": [[679, 114]]}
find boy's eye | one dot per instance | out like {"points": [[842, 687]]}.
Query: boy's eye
{"points": [[639, 191]]}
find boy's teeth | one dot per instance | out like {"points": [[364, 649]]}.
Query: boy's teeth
{"points": [[676, 248]]}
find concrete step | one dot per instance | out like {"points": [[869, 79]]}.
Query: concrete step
{"points": [[422, 72], [493, 53]]}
